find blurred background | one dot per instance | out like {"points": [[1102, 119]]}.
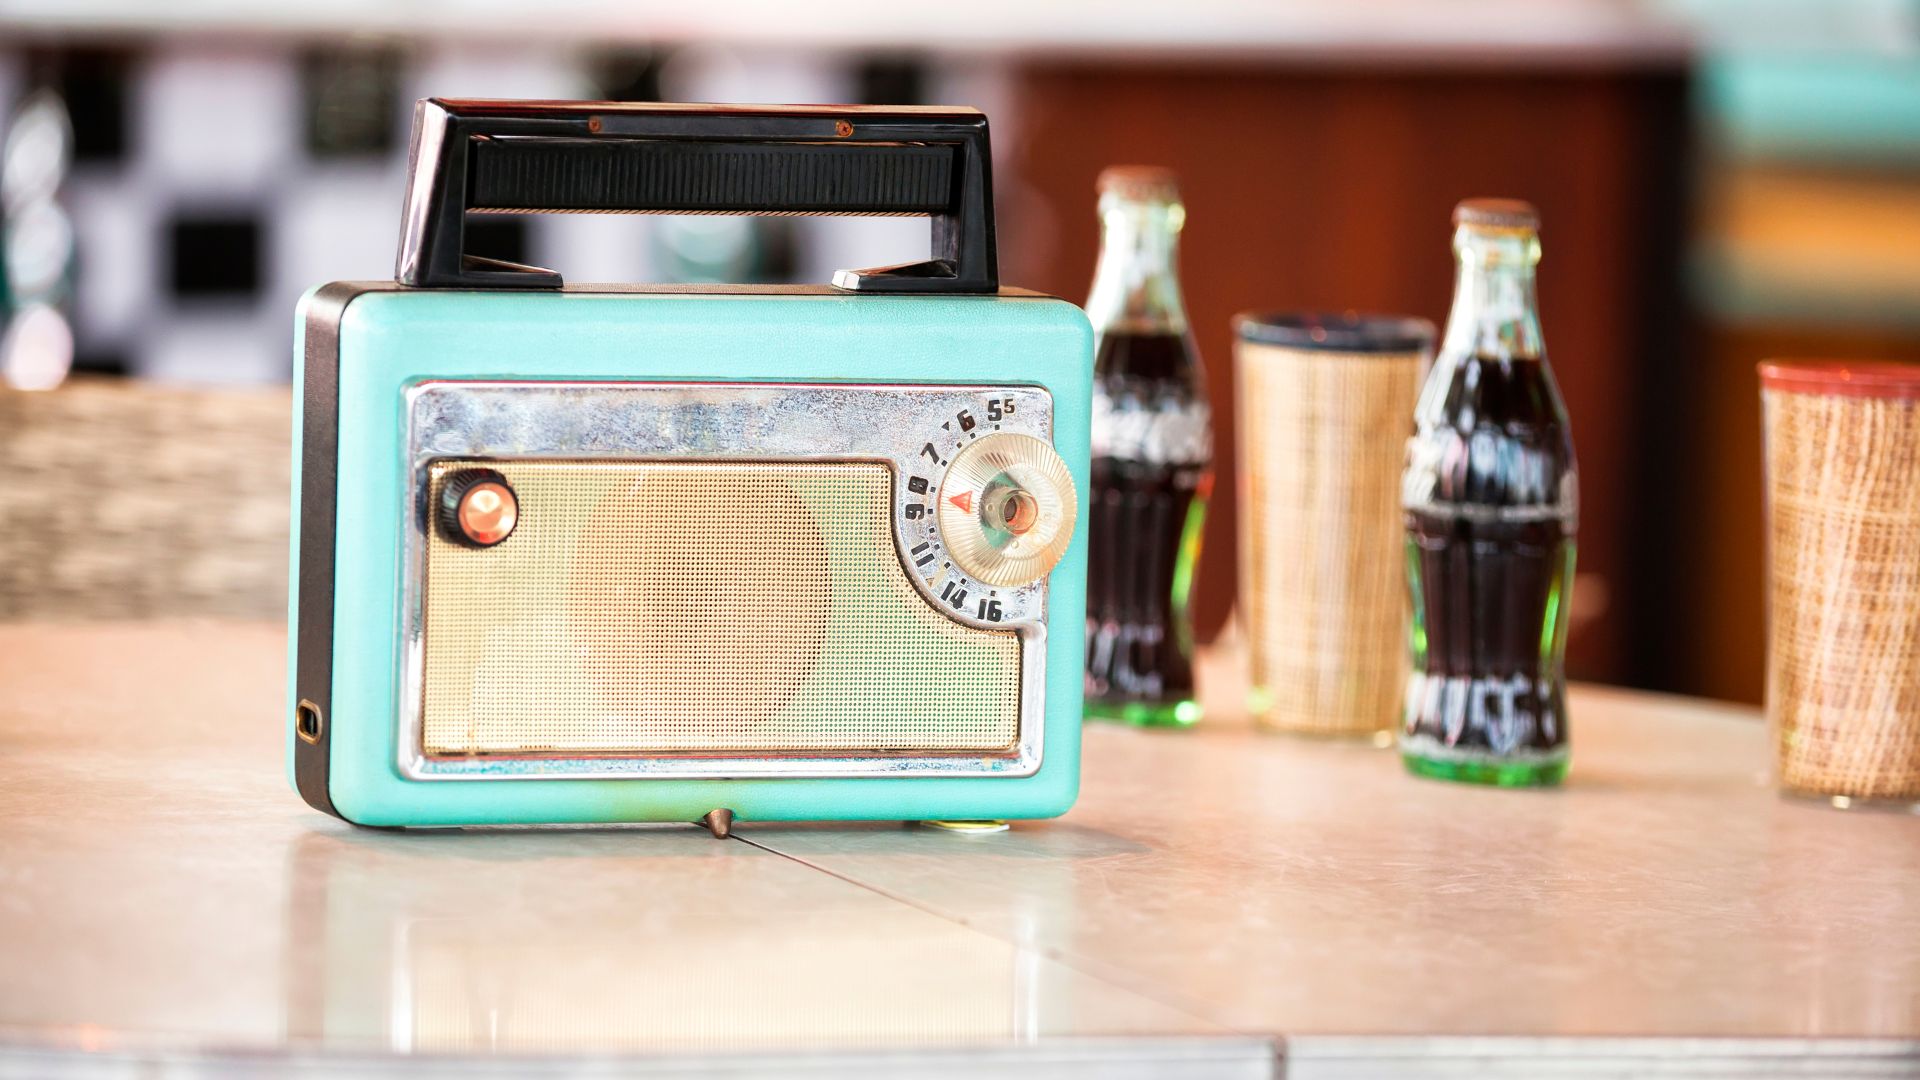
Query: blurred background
{"points": [[1720, 181]]}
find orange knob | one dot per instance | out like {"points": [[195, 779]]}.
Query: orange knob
{"points": [[478, 508]]}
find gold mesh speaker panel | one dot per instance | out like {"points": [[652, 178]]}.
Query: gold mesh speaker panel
{"points": [[664, 607]]}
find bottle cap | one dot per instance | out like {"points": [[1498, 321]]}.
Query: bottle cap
{"points": [[1145, 183], [1497, 214]]}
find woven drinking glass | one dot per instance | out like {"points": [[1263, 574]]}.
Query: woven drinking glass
{"points": [[1843, 531], [1325, 404]]}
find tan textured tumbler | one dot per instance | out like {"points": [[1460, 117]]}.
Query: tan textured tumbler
{"points": [[1324, 407], [1843, 578]]}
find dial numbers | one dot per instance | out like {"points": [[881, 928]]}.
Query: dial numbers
{"points": [[1006, 512]]}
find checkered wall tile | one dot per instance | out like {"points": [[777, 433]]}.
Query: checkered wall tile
{"points": [[214, 183]]}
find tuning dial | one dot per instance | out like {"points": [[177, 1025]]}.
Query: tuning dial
{"points": [[1006, 509]]}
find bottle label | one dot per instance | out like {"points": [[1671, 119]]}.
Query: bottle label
{"points": [[1163, 429]]}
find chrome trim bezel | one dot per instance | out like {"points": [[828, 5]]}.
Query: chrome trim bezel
{"points": [[679, 421]]}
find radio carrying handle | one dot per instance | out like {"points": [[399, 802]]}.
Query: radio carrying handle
{"points": [[622, 157]]}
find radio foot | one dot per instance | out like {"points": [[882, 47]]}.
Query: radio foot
{"points": [[982, 826], [719, 823]]}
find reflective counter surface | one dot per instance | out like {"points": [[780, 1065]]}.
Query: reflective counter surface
{"points": [[1220, 903]]}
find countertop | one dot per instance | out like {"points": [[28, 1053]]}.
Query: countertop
{"points": [[1221, 902]]}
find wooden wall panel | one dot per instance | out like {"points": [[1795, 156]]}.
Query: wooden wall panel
{"points": [[1328, 188], [1723, 603]]}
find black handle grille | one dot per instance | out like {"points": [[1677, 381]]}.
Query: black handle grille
{"points": [[649, 176], [606, 157]]}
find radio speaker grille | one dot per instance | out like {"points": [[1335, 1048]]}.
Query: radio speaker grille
{"points": [[645, 608]]}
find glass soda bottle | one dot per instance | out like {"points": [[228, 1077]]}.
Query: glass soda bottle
{"points": [[1490, 499], [1152, 457]]}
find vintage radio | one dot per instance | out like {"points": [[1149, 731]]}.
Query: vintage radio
{"points": [[613, 553]]}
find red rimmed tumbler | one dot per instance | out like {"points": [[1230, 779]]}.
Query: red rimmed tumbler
{"points": [[1843, 578]]}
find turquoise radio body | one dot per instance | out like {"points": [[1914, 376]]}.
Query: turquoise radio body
{"points": [[620, 554]]}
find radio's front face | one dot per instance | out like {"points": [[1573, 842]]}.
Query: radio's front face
{"points": [[727, 580]]}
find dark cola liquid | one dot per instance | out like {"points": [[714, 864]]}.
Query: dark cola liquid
{"points": [[1146, 506], [1490, 520]]}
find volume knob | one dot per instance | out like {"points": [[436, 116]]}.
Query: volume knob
{"points": [[1007, 509], [477, 508]]}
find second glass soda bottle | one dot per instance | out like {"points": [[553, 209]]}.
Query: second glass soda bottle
{"points": [[1152, 457], [1491, 501]]}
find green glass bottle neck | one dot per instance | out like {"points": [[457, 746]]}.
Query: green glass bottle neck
{"points": [[1136, 283], [1495, 314]]}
